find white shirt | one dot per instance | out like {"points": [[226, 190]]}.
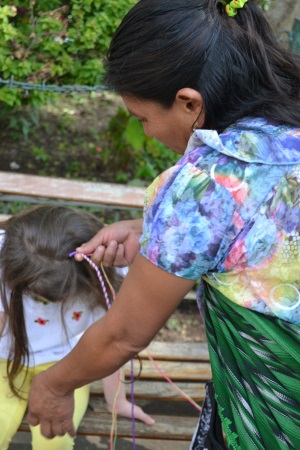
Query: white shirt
{"points": [[48, 339]]}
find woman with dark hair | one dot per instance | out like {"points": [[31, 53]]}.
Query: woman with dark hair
{"points": [[208, 79], [47, 301]]}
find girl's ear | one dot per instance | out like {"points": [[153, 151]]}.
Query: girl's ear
{"points": [[192, 103]]}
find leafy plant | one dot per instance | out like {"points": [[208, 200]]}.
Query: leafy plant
{"points": [[264, 4], [130, 152], [40, 154], [55, 41], [20, 122]]}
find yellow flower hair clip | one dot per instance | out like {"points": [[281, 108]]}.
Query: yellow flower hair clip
{"points": [[232, 7]]}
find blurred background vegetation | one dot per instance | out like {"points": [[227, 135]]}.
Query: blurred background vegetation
{"points": [[86, 136]]}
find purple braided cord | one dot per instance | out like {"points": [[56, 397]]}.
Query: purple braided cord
{"points": [[97, 270], [132, 404]]}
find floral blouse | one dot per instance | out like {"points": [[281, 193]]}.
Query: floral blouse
{"points": [[229, 213]]}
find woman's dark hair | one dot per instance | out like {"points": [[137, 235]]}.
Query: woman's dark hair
{"points": [[34, 260], [234, 62]]}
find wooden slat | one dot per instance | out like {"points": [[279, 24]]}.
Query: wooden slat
{"points": [[177, 351], [158, 390], [154, 406], [99, 424], [176, 370], [109, 194]]}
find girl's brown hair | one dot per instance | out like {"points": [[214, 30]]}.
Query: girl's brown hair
{"points": [[35, 259]]}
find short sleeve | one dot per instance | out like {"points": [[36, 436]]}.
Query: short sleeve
{"points": [[122, 271], [187, 222], [98, 313]]}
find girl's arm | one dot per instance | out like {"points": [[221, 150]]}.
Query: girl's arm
{"points": [[123, 406], [147, 298]]}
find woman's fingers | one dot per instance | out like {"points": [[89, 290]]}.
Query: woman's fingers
{"points": [[120, 260], [53, 428], [90, 246], [46, 430], [110, 253], [69, 428], [33, 420]]}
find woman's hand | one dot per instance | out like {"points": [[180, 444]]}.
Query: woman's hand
{"points": [[114, 245], [147, 298], [50, 408]]}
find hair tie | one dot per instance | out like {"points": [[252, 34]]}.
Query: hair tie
{"points": [[232, 7]]}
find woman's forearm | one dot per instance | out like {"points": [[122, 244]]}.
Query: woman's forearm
{"points": [[147, 298], [97, 355], [142, 306]]}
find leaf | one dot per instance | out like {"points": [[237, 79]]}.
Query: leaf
{"points": [[134, 134]]}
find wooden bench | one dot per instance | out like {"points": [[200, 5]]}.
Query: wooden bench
{"points": [[186, 364], [18, 187]]}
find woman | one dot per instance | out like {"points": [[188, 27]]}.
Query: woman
{"points": [[207, 79]]}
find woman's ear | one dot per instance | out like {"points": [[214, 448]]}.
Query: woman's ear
{"points": [[192, 103], [190, 99]]}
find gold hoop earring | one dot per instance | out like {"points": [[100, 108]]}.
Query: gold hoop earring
{"points": [[194, 127], [196, 123]]}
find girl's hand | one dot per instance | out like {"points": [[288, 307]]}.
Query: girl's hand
{"points": [[49, 408], [124, 408], [114, 245]]}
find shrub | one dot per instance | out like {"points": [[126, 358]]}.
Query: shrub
{"points": [[55, 41], [133, 155]]}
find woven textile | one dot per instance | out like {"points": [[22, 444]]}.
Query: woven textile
{"points": [[255, 362]]}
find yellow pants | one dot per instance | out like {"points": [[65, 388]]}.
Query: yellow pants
{"points": [[12, 410]]}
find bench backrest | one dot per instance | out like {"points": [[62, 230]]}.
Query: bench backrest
{"points": [[24, 187]]}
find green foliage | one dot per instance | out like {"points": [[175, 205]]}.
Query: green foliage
{"points": [[82, 137], [264, 4], [131, 153], [173, 324], [56, 41]]}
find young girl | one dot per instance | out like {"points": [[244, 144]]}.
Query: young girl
{"points": [[47, 302], [208, 79]]}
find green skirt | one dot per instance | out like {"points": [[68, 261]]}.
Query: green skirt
{"points": [[255, 362]]}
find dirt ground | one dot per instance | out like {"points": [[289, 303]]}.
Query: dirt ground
{"points": [[185, 325], [63, 138]]}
